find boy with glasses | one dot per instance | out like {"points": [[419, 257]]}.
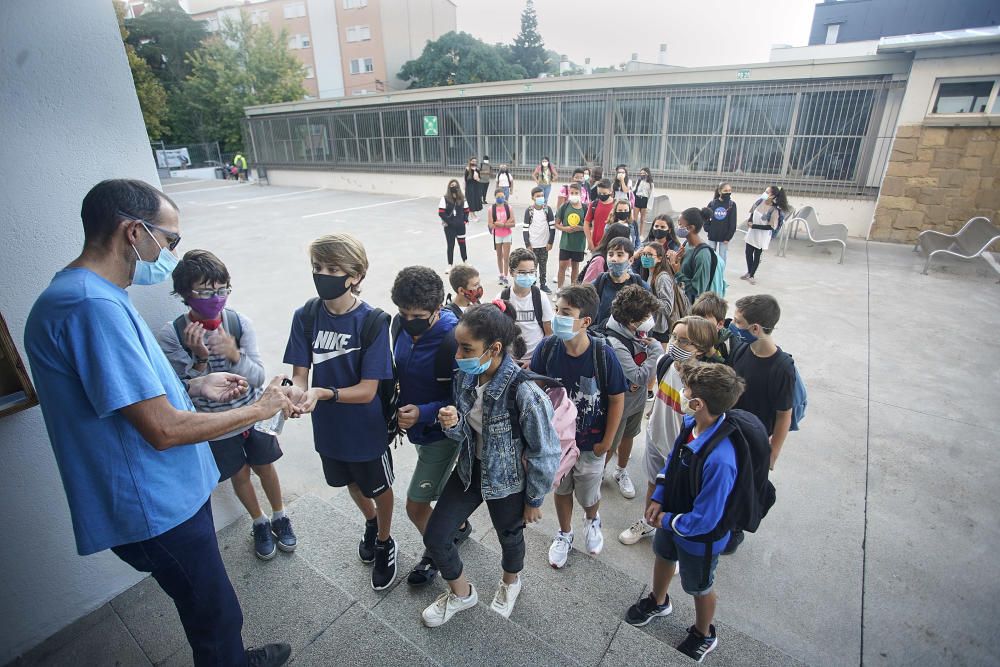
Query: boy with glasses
{"points": [[210, 338]]}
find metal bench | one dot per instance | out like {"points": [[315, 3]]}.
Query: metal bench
{"points": [[817, 233], [971, 241]]}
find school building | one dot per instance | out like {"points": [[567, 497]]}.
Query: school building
{"points": [[887, 136]]}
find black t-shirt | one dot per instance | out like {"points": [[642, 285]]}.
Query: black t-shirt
{"points": [[770, 383]]}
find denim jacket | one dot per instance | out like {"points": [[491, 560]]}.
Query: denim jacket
{"points": [[508, 466]]}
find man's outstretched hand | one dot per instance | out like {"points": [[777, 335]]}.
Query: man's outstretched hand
{"points": [[218, 387]]}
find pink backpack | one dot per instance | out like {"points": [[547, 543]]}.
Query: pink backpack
{"points": [[564, 419]]}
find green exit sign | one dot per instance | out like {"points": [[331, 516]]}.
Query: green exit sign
{"points": [[742, 74], [430, 126]]}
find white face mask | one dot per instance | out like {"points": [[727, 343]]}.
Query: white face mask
{"points": [[574, 199], [646, 326], [686, 405]]}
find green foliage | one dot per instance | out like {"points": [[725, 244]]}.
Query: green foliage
{"points": [[459, 58], [529, 49], [152, 96], [243, 65], [163, 35]]}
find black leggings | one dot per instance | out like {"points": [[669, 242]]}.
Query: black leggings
{"points": [[455, 234], [753, 259], [455, 506]]}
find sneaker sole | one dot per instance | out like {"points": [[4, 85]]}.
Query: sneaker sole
{"points": [[669, 610], [387, 585], [702, 658], [366, 562], [287, 549], [635, 541], [263, 557]]}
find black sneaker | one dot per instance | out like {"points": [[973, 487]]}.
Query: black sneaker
{"points": [[366, 548], [423, 573], [545, 288], [697, 645], [646, 609], [269, 655], [263, 544], [384, 571], [283, 534], [735, 540], [462, 534]]}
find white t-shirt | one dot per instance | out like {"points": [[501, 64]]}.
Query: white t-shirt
{"points": [[538, 231], [531, 330], [667, 419], [475, 419], [503, 180], [760, 238]]}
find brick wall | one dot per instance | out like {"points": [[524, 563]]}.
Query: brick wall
{"points": [[938, 178]]}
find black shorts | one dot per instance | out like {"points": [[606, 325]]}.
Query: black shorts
{"points": [[373, 477], [250, 447], [570, 255], [641, 202]]}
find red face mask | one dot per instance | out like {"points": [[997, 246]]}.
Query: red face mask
{"points": [[210, 325], [474, 296]]}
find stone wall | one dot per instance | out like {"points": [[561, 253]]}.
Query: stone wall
{"points": [[938, 178]]}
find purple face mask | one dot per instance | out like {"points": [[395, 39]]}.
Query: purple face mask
{"points": [[208, 308]]}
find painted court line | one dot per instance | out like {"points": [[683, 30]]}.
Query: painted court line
{"points": [[253, 199], [357, 208], [218, 187], [476, 236]]}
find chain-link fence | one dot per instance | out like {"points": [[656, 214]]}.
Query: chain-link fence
{"points": [[825, 137]]}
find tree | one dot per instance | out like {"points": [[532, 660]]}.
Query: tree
{"points": [[152, 96], [163, 35], [529, 49], [244, 65], [459, 58]]}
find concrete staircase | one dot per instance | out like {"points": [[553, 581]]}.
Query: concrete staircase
{"points": [[320, 600]]}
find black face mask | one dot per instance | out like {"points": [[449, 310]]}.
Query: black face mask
{"points": [[330, 287], [604, 197], [621, 215], [417, 326], [726, 196], [659, 233]]}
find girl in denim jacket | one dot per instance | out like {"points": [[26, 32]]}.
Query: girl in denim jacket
{"points": [[510, 474]]}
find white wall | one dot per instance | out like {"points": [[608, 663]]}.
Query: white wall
{"points": [[926, 70], [856, 214], [70, 119], [326, 48]]}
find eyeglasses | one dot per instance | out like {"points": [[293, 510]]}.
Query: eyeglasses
{"points": [[209, 293], [681, 341], [524, 273], [173, 238]]}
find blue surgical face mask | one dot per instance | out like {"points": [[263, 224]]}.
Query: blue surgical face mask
{"points": [[524, 281], [743, 334], [648, 261], [153, 273], [473, 365], [562, 327], [617, 269], [539, 201]]}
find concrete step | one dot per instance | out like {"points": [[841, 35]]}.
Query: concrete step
{"points": [[575, 612]]}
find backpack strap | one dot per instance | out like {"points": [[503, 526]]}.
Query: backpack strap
{"points": [[231, 320], [395, 326], [310, 312], [549, 215], [601, 366], [548, 353], [505, 294], [370, 327], [536, 303], [444, 358], [179, 326], [611, 333], [662, 366], [512, 409]]}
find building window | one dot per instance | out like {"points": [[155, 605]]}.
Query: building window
{"points": [[259, 16], [355, 4], [310, 72], [977, 96], [359, 91], [832, 31], [294, 10], [358, 33], [362, 65], [299, 42]]}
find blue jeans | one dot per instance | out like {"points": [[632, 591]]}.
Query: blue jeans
{"points": [[506, 193], [186, 563], [721, 249], [634, 231], [546, 189]]}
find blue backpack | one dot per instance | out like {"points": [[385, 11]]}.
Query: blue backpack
{"points": [[799, 400]]}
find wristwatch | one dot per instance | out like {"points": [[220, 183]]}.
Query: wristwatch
{"points": [[336, 394]]}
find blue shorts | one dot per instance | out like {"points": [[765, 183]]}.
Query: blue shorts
{"points": [[693, 579]]}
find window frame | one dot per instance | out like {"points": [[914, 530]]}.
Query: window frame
{"points": [[977, 115], [299, 7], [355, 4], [361, 62], [366, 36]]}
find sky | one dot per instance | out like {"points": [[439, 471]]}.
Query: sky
{"points": [[697, 32]]}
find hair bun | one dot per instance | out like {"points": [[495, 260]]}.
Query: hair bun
{"points": [[706, 214]]}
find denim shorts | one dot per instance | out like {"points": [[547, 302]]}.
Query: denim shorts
{"points": [[693, 579]]}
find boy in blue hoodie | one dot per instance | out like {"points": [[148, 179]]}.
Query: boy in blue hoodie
{"points": [[710, 390], [424, 347]]}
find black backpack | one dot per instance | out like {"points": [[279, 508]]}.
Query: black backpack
{"points": [[597, 343], [638, 355], [599, 285], [752, 495], [388, 390], [444, 358], [536, 301], [455, 309], [230, 322]]}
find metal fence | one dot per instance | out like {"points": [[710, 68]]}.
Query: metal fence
{"points": [[825, 137], [187, 156]]}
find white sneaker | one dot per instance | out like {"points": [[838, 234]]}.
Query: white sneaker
{"points": [[506, 596], [559, 549], [636, 532], [624, 482], [595, 538], [447, 605]]}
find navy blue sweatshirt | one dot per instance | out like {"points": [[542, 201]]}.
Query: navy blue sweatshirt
{"points": [[417, 382], [723, 224]]}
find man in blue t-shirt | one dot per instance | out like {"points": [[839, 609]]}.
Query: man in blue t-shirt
{"points": [[576, 359], [687, 519], [349, 427], [131, 450]]}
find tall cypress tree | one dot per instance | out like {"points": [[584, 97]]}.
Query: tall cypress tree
{"points": [[529, 50]]}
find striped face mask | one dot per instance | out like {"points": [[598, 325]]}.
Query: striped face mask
{"points": [[678, 353]]}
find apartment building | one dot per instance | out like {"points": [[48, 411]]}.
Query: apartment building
{"points": [[348, 47]]}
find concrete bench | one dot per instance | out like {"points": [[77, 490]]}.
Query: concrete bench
{"points": [[971, 241], [818, 233], [660, 204]]}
